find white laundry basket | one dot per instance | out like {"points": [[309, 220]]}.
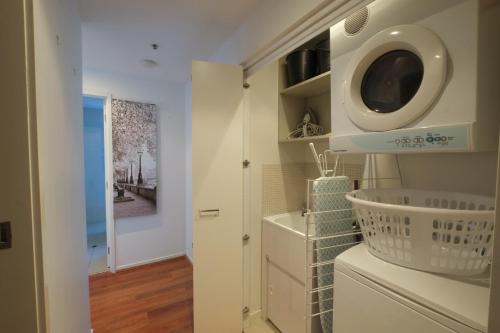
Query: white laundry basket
{"points": [[441, 232]]}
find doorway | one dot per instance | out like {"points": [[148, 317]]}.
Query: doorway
{"points": [[98, 227]]}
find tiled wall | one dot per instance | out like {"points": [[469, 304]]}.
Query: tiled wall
{"points": [[285, 185], [283, 188]]}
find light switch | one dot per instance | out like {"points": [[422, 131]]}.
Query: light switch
{"points": [[5, 236]]}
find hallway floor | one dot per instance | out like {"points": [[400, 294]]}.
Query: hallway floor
{"points": [[96, 252], [151, 298], [154, 298], [97, 259]]}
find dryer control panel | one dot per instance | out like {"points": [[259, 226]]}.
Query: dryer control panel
{"points": [[442, 139]]}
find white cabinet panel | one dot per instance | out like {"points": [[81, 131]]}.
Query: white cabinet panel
{"points": [[217, 126], [285, 301]]}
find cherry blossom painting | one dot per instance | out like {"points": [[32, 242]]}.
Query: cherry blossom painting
{"points": [[134, 158]]}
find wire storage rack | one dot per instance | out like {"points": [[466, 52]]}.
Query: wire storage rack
{"points": [[331, 229]]}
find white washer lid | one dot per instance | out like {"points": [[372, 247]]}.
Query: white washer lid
{"points": [[464, 300]]}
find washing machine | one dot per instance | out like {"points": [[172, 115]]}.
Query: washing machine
{"points": [[374, 296], [416, 76]]}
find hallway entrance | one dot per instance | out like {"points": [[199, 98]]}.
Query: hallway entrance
{"points": [[94, 137]]}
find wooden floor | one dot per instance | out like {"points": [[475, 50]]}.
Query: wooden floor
{"points": [[155, 298]]}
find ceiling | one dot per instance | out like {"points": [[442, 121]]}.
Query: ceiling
{"points": [[117, 34]]}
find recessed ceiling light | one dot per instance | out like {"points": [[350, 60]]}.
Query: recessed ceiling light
{"points": [[149, 63]]}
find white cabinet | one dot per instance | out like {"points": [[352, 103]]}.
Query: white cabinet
{"points": [[284, 277], [285, 300]]}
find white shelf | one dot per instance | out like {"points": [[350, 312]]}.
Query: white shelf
{"points": [[315, 86], [294, 101], [324, 137]]}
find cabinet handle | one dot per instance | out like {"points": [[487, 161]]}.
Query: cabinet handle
{"points": [[209, 212]]}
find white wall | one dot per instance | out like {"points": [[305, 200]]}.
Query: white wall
{"points": [[155, 237], [189, 172], [262, 25], [60, 151], [459, 172]]}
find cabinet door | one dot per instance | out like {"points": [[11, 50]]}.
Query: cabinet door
{"points": [[217, 139], [285, 297]]}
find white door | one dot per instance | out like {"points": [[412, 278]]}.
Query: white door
{"points": [[217, 139]]}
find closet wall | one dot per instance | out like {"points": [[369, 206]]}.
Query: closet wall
{"points": [[261, 101], [277, 174], [458, 172]]}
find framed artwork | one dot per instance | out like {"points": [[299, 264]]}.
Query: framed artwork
{"points": [[134, 136]]}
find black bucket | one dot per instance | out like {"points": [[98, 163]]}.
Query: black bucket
{"points": [[323, 54], [301, 65]]}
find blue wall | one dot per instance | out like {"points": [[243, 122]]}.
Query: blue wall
{"points": [[93, 134]]}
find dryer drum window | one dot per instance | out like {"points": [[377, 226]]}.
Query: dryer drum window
{"points": [[385, 86], [391, 81]]}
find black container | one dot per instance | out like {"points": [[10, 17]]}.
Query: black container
{"points": [[323, 55], [301, 65]]}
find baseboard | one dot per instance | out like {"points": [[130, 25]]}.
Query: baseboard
{"points": [[252, 319], [255, 317], [150, 261], [190, 258]]}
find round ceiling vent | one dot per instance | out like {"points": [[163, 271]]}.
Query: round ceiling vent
{"points": [[149, 63]]}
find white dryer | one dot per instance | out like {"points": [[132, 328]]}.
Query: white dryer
{"points": [[374, 296], [416, 76]]}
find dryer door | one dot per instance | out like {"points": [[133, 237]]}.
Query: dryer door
{"points": [[394, 77]]}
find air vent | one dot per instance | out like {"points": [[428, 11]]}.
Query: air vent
{"points": [[356, 22]]}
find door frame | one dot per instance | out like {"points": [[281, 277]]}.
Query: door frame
{"points": [[247, 193], [108, 176]]}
